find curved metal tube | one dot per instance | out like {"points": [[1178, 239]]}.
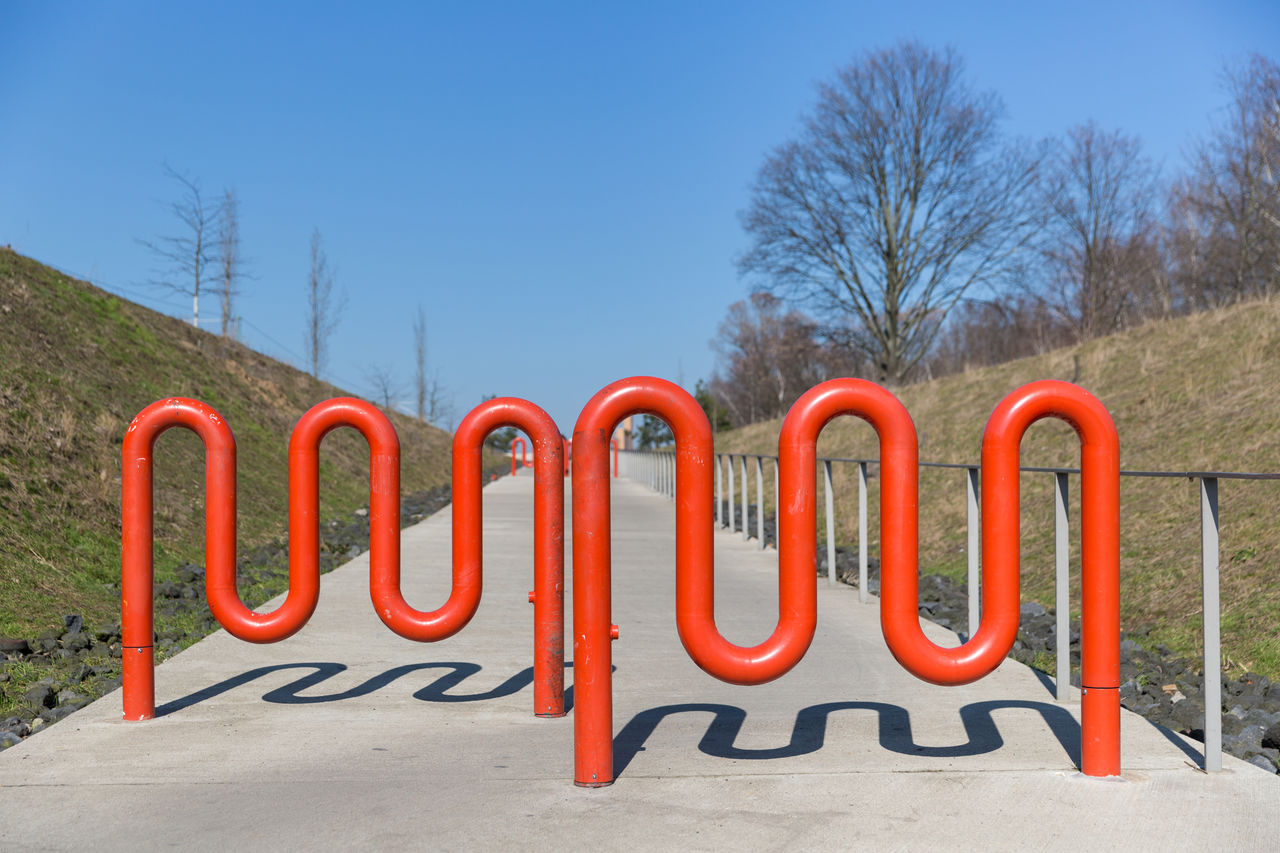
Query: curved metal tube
{"points": [[995, 635], [695, 608], [548, 546], [304, 536]]}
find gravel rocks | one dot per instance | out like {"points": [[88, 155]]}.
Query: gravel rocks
{"points": [[75, 663]]}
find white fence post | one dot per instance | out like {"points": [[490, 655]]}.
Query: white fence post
{"points": [[732, 494], [863, 594], [746, 518], [1062, 594], [1212, 624], [831, 522], [760, 501], [719, 492], [974, 527]]}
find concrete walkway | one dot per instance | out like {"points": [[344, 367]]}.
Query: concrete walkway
{"points": [[346, 736]]}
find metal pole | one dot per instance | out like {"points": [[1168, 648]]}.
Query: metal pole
{"points": [[732, 495], [746, 519], [760, 500], [831, 522], [719, 491], [777, 499], [863, 594], [1062, 593], [1212, 625], [974, 524]]}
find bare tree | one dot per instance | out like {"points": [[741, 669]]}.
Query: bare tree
{"points": [[1226, 213], [187, 256], [1099, 238], [323, 308], [420, 362], [897, 198], [386, 387], [766, 358], [230, 262], [983, 332]]}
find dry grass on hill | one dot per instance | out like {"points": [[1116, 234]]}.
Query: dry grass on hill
{"points": [[76, 364]]}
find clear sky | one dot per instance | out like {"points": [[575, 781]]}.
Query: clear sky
{"points": [[557, 184]]}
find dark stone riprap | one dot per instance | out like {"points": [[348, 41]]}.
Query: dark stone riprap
{"points": [[77, 663]]}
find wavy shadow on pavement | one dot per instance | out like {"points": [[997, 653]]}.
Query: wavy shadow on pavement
{"points": [[436, 691], [810, 729]]}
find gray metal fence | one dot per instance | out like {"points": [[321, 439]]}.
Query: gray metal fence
{"points": [[657, 469]]}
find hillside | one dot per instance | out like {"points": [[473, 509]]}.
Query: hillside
{"points": [[1194, 393], [76, 364]]}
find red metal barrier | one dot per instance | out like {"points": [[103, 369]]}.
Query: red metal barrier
{"points": [[548, 534], [568, 454], [613, 443], [695, 611], [384, 534], [524, 453], [994, 637]]}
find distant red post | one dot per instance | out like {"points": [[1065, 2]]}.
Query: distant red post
{"points": [[524, 453]]}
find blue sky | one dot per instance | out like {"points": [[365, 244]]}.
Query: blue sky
{"points": [[558, 185]]}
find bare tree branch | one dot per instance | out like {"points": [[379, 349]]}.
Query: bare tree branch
{"points": [[1099, 243], [187, 255], [230, 262], [896, 200], [323, 309]]}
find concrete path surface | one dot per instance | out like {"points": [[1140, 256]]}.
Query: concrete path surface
{"points": [[346, 736]]}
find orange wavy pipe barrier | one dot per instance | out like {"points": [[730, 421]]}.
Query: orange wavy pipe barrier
{"points": [[304, 537], [593, 717]]}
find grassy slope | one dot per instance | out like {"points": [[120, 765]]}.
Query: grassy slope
{"points": [[1195, 393], [76, 364]]}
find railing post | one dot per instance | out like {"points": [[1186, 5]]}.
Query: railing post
{"points": [[1212, 624], [777, 502], [831, 522], [863, 594], [732, 494], [719, 491], [974, 525], [1061, 592], [746, 516], [760, 500]]}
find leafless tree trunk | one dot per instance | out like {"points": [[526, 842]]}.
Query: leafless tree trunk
{"points": [[896, 200], [323, 309], [766, 358], [385, 386], [420, 362], [186, 256], [1099, 240], [229, 260], [1226, 222]]}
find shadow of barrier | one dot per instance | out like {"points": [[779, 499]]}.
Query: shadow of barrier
{"points": [[808, 735], [293, 692]]}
